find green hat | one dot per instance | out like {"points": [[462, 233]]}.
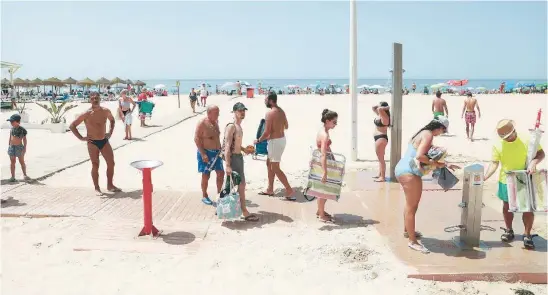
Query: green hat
{"points": [[239, 107]]}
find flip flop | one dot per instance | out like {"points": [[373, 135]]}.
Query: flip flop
{"points": [[99, 193], [207, 201], [114, 190], [263, 193], [418, 247], [251, 217], [329, 219], [326, 214]]}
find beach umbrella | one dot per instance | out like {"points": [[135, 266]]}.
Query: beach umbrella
{"points": [[292, 86], [377, 87], [481, 88], [19, 82], [128, 81], [5, 81], [140, 83], [438, 86], [160, 86], [53, 82], [103, 81], [525, 84], [363, 86], [69, 81], [228, 85], [457, 82], [117, 81]]}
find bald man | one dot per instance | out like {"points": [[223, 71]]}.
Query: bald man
{"points": [[208, 142]]}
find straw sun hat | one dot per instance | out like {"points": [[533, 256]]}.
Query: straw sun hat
{"points": [[505, 128]]}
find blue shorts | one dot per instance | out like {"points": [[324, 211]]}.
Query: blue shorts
{"points": [[15, 150], [502, 192], [211, 156]]}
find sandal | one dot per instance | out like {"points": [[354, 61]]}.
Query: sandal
{"points": [[263, 193], [418, 234], [328, 219], [508, 235], [326, 214], [528, 241], [251, 217], [418, 247]]}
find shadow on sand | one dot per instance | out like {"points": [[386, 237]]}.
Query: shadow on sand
{"points": [[264, 218], [178, 238], [345, 221], [11, 202]]}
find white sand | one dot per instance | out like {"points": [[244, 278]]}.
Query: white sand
{"points": [[274, 259]]}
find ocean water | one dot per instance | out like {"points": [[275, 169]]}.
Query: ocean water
{"points": [[186, 85]]}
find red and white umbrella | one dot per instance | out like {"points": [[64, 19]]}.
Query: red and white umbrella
{"points": [[457, 82]]}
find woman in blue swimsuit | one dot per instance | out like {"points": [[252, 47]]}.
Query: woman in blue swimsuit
{"points": [[409, 175]]}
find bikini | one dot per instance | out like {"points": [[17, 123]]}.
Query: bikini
{"points": [[378, 123], [125, 104]]}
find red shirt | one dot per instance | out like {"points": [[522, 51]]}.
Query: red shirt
{"points": [[142, 96]]}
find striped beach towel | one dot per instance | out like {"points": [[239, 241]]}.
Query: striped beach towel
{"points": [[331, 189]]}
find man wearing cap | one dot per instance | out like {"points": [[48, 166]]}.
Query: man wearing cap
{"points": [[469, 114], [233, 154], [276, 124], [511, 153], [17, 146], [95, 119], [208, 141]]}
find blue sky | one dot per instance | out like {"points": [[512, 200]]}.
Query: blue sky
{"points": [[229, 39]]}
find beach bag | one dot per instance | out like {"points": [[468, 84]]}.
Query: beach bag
{"points": [[228, 205], [445, 178]]}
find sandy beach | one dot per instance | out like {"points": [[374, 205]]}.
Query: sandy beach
{"points": [[276, 258]]}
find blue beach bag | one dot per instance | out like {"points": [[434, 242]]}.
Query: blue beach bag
{"points": [[228, 205]]}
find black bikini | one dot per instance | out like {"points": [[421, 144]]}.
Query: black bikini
{"points": [[378, 123], [99, 143]]}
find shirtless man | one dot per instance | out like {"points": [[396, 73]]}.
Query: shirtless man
{"points": [[208, 142], [233, 154], [95, 120], [470, 104], [439, 106], [276, 123]]}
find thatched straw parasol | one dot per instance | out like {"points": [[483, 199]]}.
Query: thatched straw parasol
{"points": [[86, 82], [140, 83], [5, 81], [103, 81], [70, 82], [19, 82], [117, 80], [128, 81], [53, 82]]}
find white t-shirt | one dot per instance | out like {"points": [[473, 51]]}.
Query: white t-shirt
{"points": [[203, 91]]}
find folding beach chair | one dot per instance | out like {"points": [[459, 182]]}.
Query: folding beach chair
{"points": [[261, 147], [331, 189]]}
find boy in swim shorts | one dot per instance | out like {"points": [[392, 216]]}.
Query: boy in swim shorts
{"points": [[439, 106], [17, 146]]}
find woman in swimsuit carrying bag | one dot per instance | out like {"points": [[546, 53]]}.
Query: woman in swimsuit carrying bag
{"points": [[409, 174], [380, 136]]}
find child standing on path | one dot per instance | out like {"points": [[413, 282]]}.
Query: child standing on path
{"points": [[17, 146]]}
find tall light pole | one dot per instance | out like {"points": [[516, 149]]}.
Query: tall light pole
{"points": [[354, 79]]}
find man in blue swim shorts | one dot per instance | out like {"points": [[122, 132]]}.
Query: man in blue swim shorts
{"points": [[208, 141]]}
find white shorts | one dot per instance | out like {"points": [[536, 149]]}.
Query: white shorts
{"points": [[276, 148]]}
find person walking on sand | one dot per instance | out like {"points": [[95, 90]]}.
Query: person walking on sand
{"points": [[323, 143], [439, 106], [510, 152], [17, 146], [193, 98], [126, 105], [469, 114], [233, 154], [143, 96], [95, 119], [203, 94], [207, 139], [276, 124], [380, 136], [409, 174]]}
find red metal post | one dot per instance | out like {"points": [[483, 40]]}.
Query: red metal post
{"points": [[147, 203]]}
